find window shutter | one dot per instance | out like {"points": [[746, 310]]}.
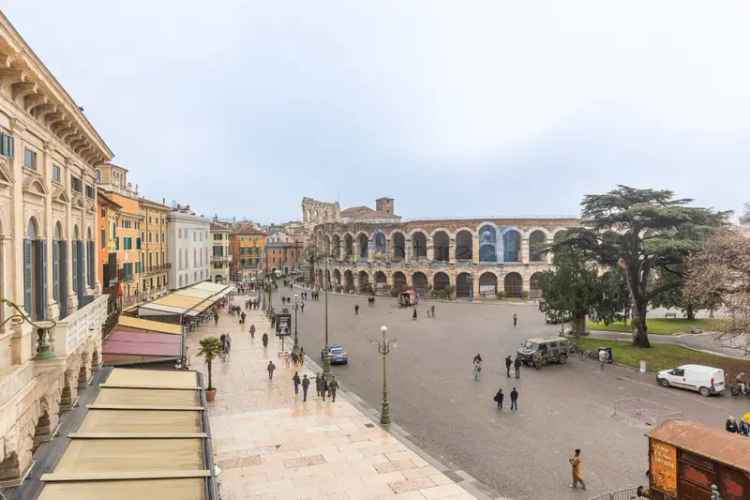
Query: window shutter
{"points": [[63, 278], [80, 262], [56, 271], [27, 273], [41, 275], [75, 265], [90, 255]]}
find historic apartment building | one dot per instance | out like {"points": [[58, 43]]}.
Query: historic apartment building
{"points": [[51, 307], [283, 252], [154, 282], [460, 258], [188, 248], [246, 246], [220, 255]]}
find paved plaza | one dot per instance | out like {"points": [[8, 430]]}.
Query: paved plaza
{"points": [[453, 418], [270, 444]]}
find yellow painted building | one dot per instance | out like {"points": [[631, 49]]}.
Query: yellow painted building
{"points": [[154, 281], [246, 245]]}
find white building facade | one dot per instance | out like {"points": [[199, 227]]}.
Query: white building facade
{"points": [[189, 248]]}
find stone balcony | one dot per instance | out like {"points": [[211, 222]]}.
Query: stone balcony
{"points": [[77, 329]]}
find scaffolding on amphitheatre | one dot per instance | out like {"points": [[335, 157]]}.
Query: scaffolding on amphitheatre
{"points": [[644, 411]]}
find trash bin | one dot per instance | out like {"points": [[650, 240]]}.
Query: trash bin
{"points": [[608, 350]]}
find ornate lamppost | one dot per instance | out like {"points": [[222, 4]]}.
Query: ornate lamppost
{"points": [[43, 349], [295, 349], [326, 354], [384, 348]]}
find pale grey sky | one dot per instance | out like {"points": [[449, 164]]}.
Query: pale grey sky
{"points": [[453, 108]]}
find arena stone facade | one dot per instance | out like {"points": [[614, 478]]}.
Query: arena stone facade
{"points": [[451, 258]]}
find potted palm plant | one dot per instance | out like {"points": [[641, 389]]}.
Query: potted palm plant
{"points": [[210, 348]]}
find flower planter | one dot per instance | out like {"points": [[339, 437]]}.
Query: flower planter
{"points": [[210, 394]]}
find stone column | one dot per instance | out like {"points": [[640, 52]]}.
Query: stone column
{"points": [[452, 250], [525, 250], [430, 250], [475, 285], [53, 310], [475, 249], [407, 250]]}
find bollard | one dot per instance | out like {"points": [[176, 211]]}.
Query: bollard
{"points": [[643, 366]]}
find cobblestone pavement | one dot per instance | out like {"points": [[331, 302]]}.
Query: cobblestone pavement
{"points": [[523, 455], [270, 444]]}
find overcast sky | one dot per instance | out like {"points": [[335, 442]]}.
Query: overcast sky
{"points": [[241, 108]]}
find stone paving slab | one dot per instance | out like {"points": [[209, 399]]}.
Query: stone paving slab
{"points": [[272, 445]]}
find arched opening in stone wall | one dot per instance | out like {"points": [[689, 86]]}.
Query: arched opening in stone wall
{"points": [[441, 246], [348, 281], [34, 272], [336, 247], [336, 277], [380, 243], [535, 288], [512, 246], [10, 469], [464, 245], [364, 282], [487, 244], [327, 283], [399, 246], [441, 281], [348, 246], [419, 282], [326, 245], [381, 281], [362, 243], [537, 246], [95, 360], [399, 281], [488, 285], [464, 286], [419, 244], [513, 285], [82, 374]]}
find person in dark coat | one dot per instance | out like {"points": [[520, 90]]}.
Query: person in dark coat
{"points": [[265, 340], [515, 320], [432, 310], [499, 398], [305, 386], [731, 425], [271, 367], [508, 364], [514, 400], [414, 314], [297, 382], [356, 309], [318, 385], [333, 385], [323, 388], [252, 331], [517, 366]]}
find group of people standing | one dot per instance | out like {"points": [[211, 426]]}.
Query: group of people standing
{"points": [[323, 387], [500, 395], [740, 426]]}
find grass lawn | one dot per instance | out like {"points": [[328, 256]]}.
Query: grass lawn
{"points": [[659, 326], [662, 356]]}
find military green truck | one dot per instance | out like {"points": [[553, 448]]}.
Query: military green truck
{"points": [[540, 351]]}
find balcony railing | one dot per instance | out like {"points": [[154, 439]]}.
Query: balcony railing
{"points": [[77, 328]]}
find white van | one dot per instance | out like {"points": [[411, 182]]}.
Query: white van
{"points": [[704, 379]]}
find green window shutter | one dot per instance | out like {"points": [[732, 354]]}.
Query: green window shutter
{"points": [[56, 270], [41, 275], [90, 260], [63, 278], [27, 273], [75, 265]]}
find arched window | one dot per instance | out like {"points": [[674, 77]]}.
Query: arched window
{"points": [[336, 250], [381, 281], [348, 246], [511, 246], [488, 244], [419, 243], [419, 282], [488, 285], [363, 246], [399, 246], [464, 285], [535, 288], [464, 245], [337, 277], [348, 280], [380, 242], [537, 245], [441, 246], [513, 285], [364, 282]]}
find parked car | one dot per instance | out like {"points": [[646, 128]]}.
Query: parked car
{"points": [[336, 354], [706, 380], [540, 351]]}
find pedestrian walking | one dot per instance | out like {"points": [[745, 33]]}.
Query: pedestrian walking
{"points": [[265, 340], [296, 380], [305, 386], [252, 331], [414, 314], [499, 396], [242, 317], [216, 318], [301, 356], [333, 385], [356, 309], [432, 310], [508, 364], [323, 387], [515, 320], [517, 366], [603, 357], [576, 469], [514, 400], [271, 367], [318, 384], [294, 358], [302, 307]]}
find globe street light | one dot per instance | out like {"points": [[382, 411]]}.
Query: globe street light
{"points": [[326, 354], [384, 348]]}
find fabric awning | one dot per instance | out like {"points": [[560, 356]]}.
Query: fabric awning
{"points": [[148, 325], [138, 378], [163, 489]]}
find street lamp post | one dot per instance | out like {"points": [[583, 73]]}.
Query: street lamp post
{"points": [[384, 348], [295, 349], [326, 354]]}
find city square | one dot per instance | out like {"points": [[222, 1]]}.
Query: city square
{"points": [[374, 251]]}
